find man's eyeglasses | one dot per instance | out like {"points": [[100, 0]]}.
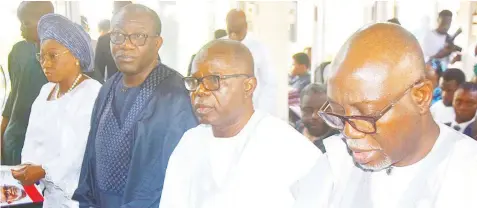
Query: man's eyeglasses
{"points": [[137, 39], [364, 124], [210, 82], [53, 57]]}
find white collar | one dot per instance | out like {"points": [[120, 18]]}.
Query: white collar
{"points": [[461, 126]]}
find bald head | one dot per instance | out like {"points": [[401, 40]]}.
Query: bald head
{"points": [[380, 75], [226, 56], [236, 25], [117, 5], [236, 14], [29, 13], [130, 12], [383, 55]]}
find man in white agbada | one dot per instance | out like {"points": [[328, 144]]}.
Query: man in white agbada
{"points": [[265, 95], [379, 98], [239, 157]]}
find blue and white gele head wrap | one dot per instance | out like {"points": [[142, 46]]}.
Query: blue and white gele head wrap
{"points": [[70, 35]]}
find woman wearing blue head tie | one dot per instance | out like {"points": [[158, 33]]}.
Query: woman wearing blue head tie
{"points": [[60, 117]]}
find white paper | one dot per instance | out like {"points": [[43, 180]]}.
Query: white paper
{"points": [[11, 190]]}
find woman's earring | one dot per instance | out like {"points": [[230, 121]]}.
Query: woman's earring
{"points": [[77, 63]]}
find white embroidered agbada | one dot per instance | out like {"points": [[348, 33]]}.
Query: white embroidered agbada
{"points": [[56, 139], [445, 178], [267, 165]]}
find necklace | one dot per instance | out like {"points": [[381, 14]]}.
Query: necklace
{"points": [[57, 93]]}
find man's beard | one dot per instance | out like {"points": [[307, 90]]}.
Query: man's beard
{"points": [[361, 144]]}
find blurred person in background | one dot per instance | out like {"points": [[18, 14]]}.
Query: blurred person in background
{"points": [[26, 77], [438, 44], [103, 60], [299, 78], [465, 106], [103, 27], [266, 94], [312, 97], [442, 110], [434, 73]]}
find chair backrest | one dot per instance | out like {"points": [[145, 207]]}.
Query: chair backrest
{"points": [[319, 75]]}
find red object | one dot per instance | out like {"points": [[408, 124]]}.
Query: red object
{"points": [[33, 193]]}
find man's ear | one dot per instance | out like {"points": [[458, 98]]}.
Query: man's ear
{"points": [[249, 86], [158, 42], [422, 95]]}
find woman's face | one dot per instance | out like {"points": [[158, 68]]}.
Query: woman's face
{"points": [[57, 61]]}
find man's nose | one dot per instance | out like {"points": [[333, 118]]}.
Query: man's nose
{"points": [[201, 91], [315, 114], [127, 44], [351, 132]]}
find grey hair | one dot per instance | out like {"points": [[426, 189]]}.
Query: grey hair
{"points": [[313, 88]]}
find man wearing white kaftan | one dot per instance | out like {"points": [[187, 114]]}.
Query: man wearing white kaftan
{"points": [[239, 157], [391, 152], [268, 164], [444, 178]]}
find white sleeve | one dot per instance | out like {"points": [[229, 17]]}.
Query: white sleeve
{"points": [[428, 45], [177, 180], [28, 150], [29, 143], [314, 189], [267, 78]]}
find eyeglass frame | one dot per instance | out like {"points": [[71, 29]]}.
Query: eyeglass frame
{"points": [[368, 118], [220, 77], [39, 56], [128, 37]]}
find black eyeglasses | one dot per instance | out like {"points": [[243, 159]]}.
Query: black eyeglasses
{"points": [[53, 57], [137, 39], [210, 82], [364, 124]]}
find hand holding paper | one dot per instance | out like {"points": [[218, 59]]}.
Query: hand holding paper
{"points": [[29, 174]]}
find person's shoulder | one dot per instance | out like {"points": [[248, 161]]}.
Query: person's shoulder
{"points": [[285, 137], [93, 85], [193, 138], [46, 88], [198, 131], [465, 147], [22, 46], [172, 82], [437, 105], [23, 43], [104, 38]]}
